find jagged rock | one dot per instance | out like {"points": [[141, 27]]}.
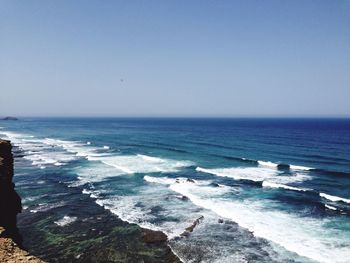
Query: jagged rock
{"points": [[190, 229], [220, 221], [190, 180]]}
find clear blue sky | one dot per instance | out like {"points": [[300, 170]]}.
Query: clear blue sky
{"points": [[175, 58]]}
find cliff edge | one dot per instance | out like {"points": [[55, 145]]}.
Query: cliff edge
{"points": [[10, 206]]}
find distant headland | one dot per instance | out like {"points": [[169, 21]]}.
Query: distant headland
{"points": [[9, 118]]}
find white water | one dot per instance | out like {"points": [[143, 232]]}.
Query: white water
{"points": [[256, 174], [335, 198], [287, 187], [66, 220], [298, 167], [268, 164], [305, 236]]}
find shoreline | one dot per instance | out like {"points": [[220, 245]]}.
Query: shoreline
{"points": [[96, 235]]}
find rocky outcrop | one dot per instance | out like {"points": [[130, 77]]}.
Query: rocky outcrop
{"points": [[10, 252], [190, 229], [10, 202], [10, 206]]}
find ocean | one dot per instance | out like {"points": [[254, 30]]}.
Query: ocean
{"points": [[263, 190]]}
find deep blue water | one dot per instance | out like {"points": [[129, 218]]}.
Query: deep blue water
{"points": [[285, 182]]}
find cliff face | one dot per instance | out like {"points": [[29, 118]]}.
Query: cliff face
{"points": [[10, 206], [10, 202]]}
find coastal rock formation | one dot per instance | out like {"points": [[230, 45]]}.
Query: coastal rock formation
{"points": [[10, 206], [10, 202], [190, 229], [10, 252]]}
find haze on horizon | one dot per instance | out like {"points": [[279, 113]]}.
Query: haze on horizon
{"points": [[175, 58]]}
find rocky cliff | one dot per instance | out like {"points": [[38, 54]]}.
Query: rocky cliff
{"points": [[10, 206], [10, 202]]}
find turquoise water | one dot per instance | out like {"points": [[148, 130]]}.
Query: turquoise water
{"points": [[280, 186]]}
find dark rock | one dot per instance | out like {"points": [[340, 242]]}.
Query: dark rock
{"points": [[190, 180], [151, 236], [190, 229], [10, 202], [220, 221]]}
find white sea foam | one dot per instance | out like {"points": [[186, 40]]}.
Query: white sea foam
{"points": [[268, 164], [111, 166], [126, 209], [256, 174], [39, 151], [94, 172], [298, 167], [335, 198], [306, 236], [274, 185], [106, 147], [42, 153], [139, 208], [130, 164], [159, 180], [66, 220], [330, 207], [92, 193], [239, 173], [150, 158], [178, 180]]}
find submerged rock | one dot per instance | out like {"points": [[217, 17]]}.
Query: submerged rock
{"points": [[151, 236]]}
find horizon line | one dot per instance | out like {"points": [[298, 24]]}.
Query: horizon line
{"points": [[182, 117]]}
